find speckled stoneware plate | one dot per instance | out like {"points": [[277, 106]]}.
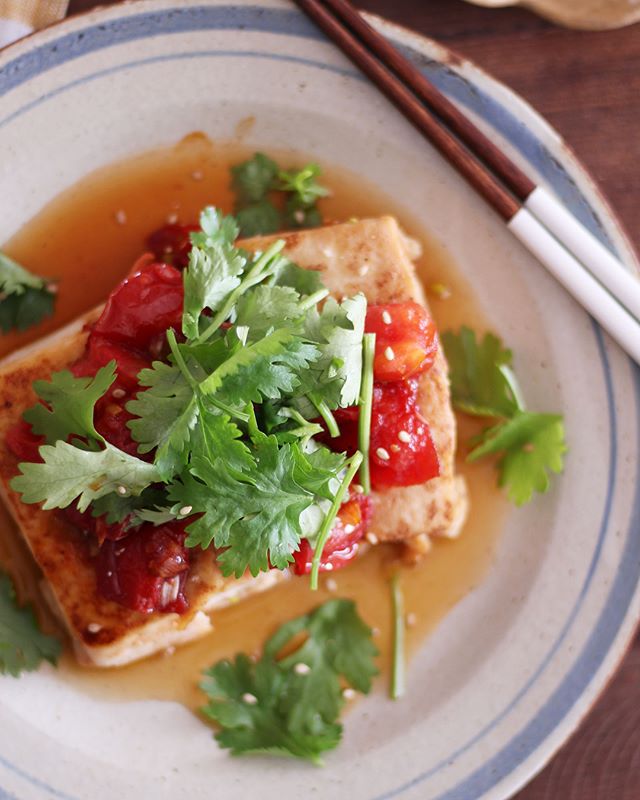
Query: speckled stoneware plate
{"points": [[512, 670], [587, 14]]}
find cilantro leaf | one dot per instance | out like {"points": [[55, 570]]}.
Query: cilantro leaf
{"points": [[166, 414], [259, 218], [254, 516], [481, 381], [266, 307], [217, 437], [25, 299], [70, 404], [299, 215], [318, 471], [532, 445], [23, 646], [274, 705], [67, 473], [304, 281], [115, 508], [302, 184], [337, 331], [254, 178], [265, 369], [214, 271]]}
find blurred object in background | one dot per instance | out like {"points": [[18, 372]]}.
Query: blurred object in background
{"points": [[21, 17], [587, 14]]}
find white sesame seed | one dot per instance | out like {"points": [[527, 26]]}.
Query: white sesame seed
{"points": [[302, 669], [372, 538], [121, 490], [331, 585], [299, 216], [109, 573], [328, 567], [185, 510], [386, 317], [52, 288], [121, 217], [389, 354], [118, 393], [197, 175], [383, 454], [327, 252], [169, 651], [172, 219], [411, 620], [349, 528], [363, 270], [348, 693], [404, 436], [357, 488], [249, 699], [119, 551], [94, 627]]}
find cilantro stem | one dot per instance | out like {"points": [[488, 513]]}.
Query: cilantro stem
{"points": [[514, 386], [398, 682], [255, 275], [252, 421], [366, 404], [313, 299], [326, 414], [354, 465], [182, 364]]}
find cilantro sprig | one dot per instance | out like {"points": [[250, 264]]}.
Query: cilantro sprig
{"points": [[290, 705], [25, 299], [23, 646], [259, 181], [529, 445], [225, 424]]}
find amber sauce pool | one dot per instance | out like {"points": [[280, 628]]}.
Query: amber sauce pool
{"points": [[88, 238]]}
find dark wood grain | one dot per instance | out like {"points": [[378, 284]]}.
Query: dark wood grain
{"points": [[588, 86]]}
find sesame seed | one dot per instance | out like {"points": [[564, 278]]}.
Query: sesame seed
{"points": [[389, 354], [94, 627], [119, 551], [118, 393], [372, 538], [249, 699], [357, 488], [172, 219], [395, 448], [197, 175], [302, 669], [327, 252], [121, 217], [121, 490], [328, 567], [386, 317], [169, 651], [52, 288], [363, 270], [299, 216], [404, 436], [348, 693], [383, 454], [349, 528], [331, 585], [185, 510], [411, 620]]}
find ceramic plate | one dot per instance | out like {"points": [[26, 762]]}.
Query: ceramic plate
{"points": [[589, 14], [514, 667]]}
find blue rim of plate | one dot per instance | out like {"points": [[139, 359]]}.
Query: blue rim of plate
{"points": [[292, 23]]}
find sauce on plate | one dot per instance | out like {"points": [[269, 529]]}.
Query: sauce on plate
{"points": [[88, 238]]}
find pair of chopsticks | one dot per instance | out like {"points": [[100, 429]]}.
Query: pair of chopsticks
{"points": [[582, 264]]}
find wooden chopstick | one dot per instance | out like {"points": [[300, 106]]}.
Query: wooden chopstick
{"points": [[570, 252]]}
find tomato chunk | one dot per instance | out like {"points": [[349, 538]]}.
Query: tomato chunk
{"points": [[141, 308], [402, 452], [23, 442], [172, 244], [406, 340], [344, 541], [146, 571]]}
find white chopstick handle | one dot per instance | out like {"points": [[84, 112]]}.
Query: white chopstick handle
{"points": [[578, 281], [622, 284]]}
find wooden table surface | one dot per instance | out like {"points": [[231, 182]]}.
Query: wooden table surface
{"points": [[588, 86]]}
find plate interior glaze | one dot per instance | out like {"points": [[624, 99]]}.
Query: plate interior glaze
{"points": [[513, 668]]}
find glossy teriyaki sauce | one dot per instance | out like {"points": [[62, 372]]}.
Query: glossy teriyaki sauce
{"points": [[88, 238]]}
